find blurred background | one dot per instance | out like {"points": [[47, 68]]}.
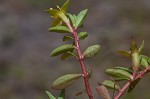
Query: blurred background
{"points": [[27, 70]]}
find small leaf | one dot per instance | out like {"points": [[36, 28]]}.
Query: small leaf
{"points": [[66, 55], [141, 48], [110, 84], [82, 35], [89, 73], [62, 49], [56, 22], [80, 18], [91, 51], [146, 58], [65, 38], [144, 62], [124, 53], [134, 48], [50, 95], [119, 79], [62, 94], [65, 7], [125, 69], [59, 29], [63, 17], [73, 19], [119, 73], [59, 14], [136, 59], [103, 91], [65, 81], [54, 13], [133, 84]]}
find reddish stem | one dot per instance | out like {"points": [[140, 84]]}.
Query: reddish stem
{"points": [[139, 75], [81, 61]]}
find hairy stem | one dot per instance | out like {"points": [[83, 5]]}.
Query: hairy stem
{"points": [[81, 61], [139, 75]]}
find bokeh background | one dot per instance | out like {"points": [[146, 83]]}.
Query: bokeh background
{"points": [[27, 70]]}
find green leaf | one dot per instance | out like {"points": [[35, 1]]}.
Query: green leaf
{"points": [[144, 62], [119, 79], [65, 7], [125, 69], [59, 29], [136, 59], [141, 48], [54, 13], [91, 51], [63, 17], [66, 55], [133, 84], [119, 73], [65, 81], [62, 94], [124, 53], [62, 49], [103, 91], [110, 84], [134, 48], [57, 22], [146, 58], [65, 38], [80, 18], [82, 35], [50, 95], [59, 14], [89, 73], [73, 19]]}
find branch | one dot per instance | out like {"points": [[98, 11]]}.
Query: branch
{"points": [[139, 75]]}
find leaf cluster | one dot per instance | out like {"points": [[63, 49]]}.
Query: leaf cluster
{"points": [[120, 74]]}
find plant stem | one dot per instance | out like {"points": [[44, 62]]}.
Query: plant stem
{"points": [[139, 75], [81, 60], [120, 93]]}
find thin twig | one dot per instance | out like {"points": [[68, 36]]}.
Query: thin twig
{"points": [[139, 75]]}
